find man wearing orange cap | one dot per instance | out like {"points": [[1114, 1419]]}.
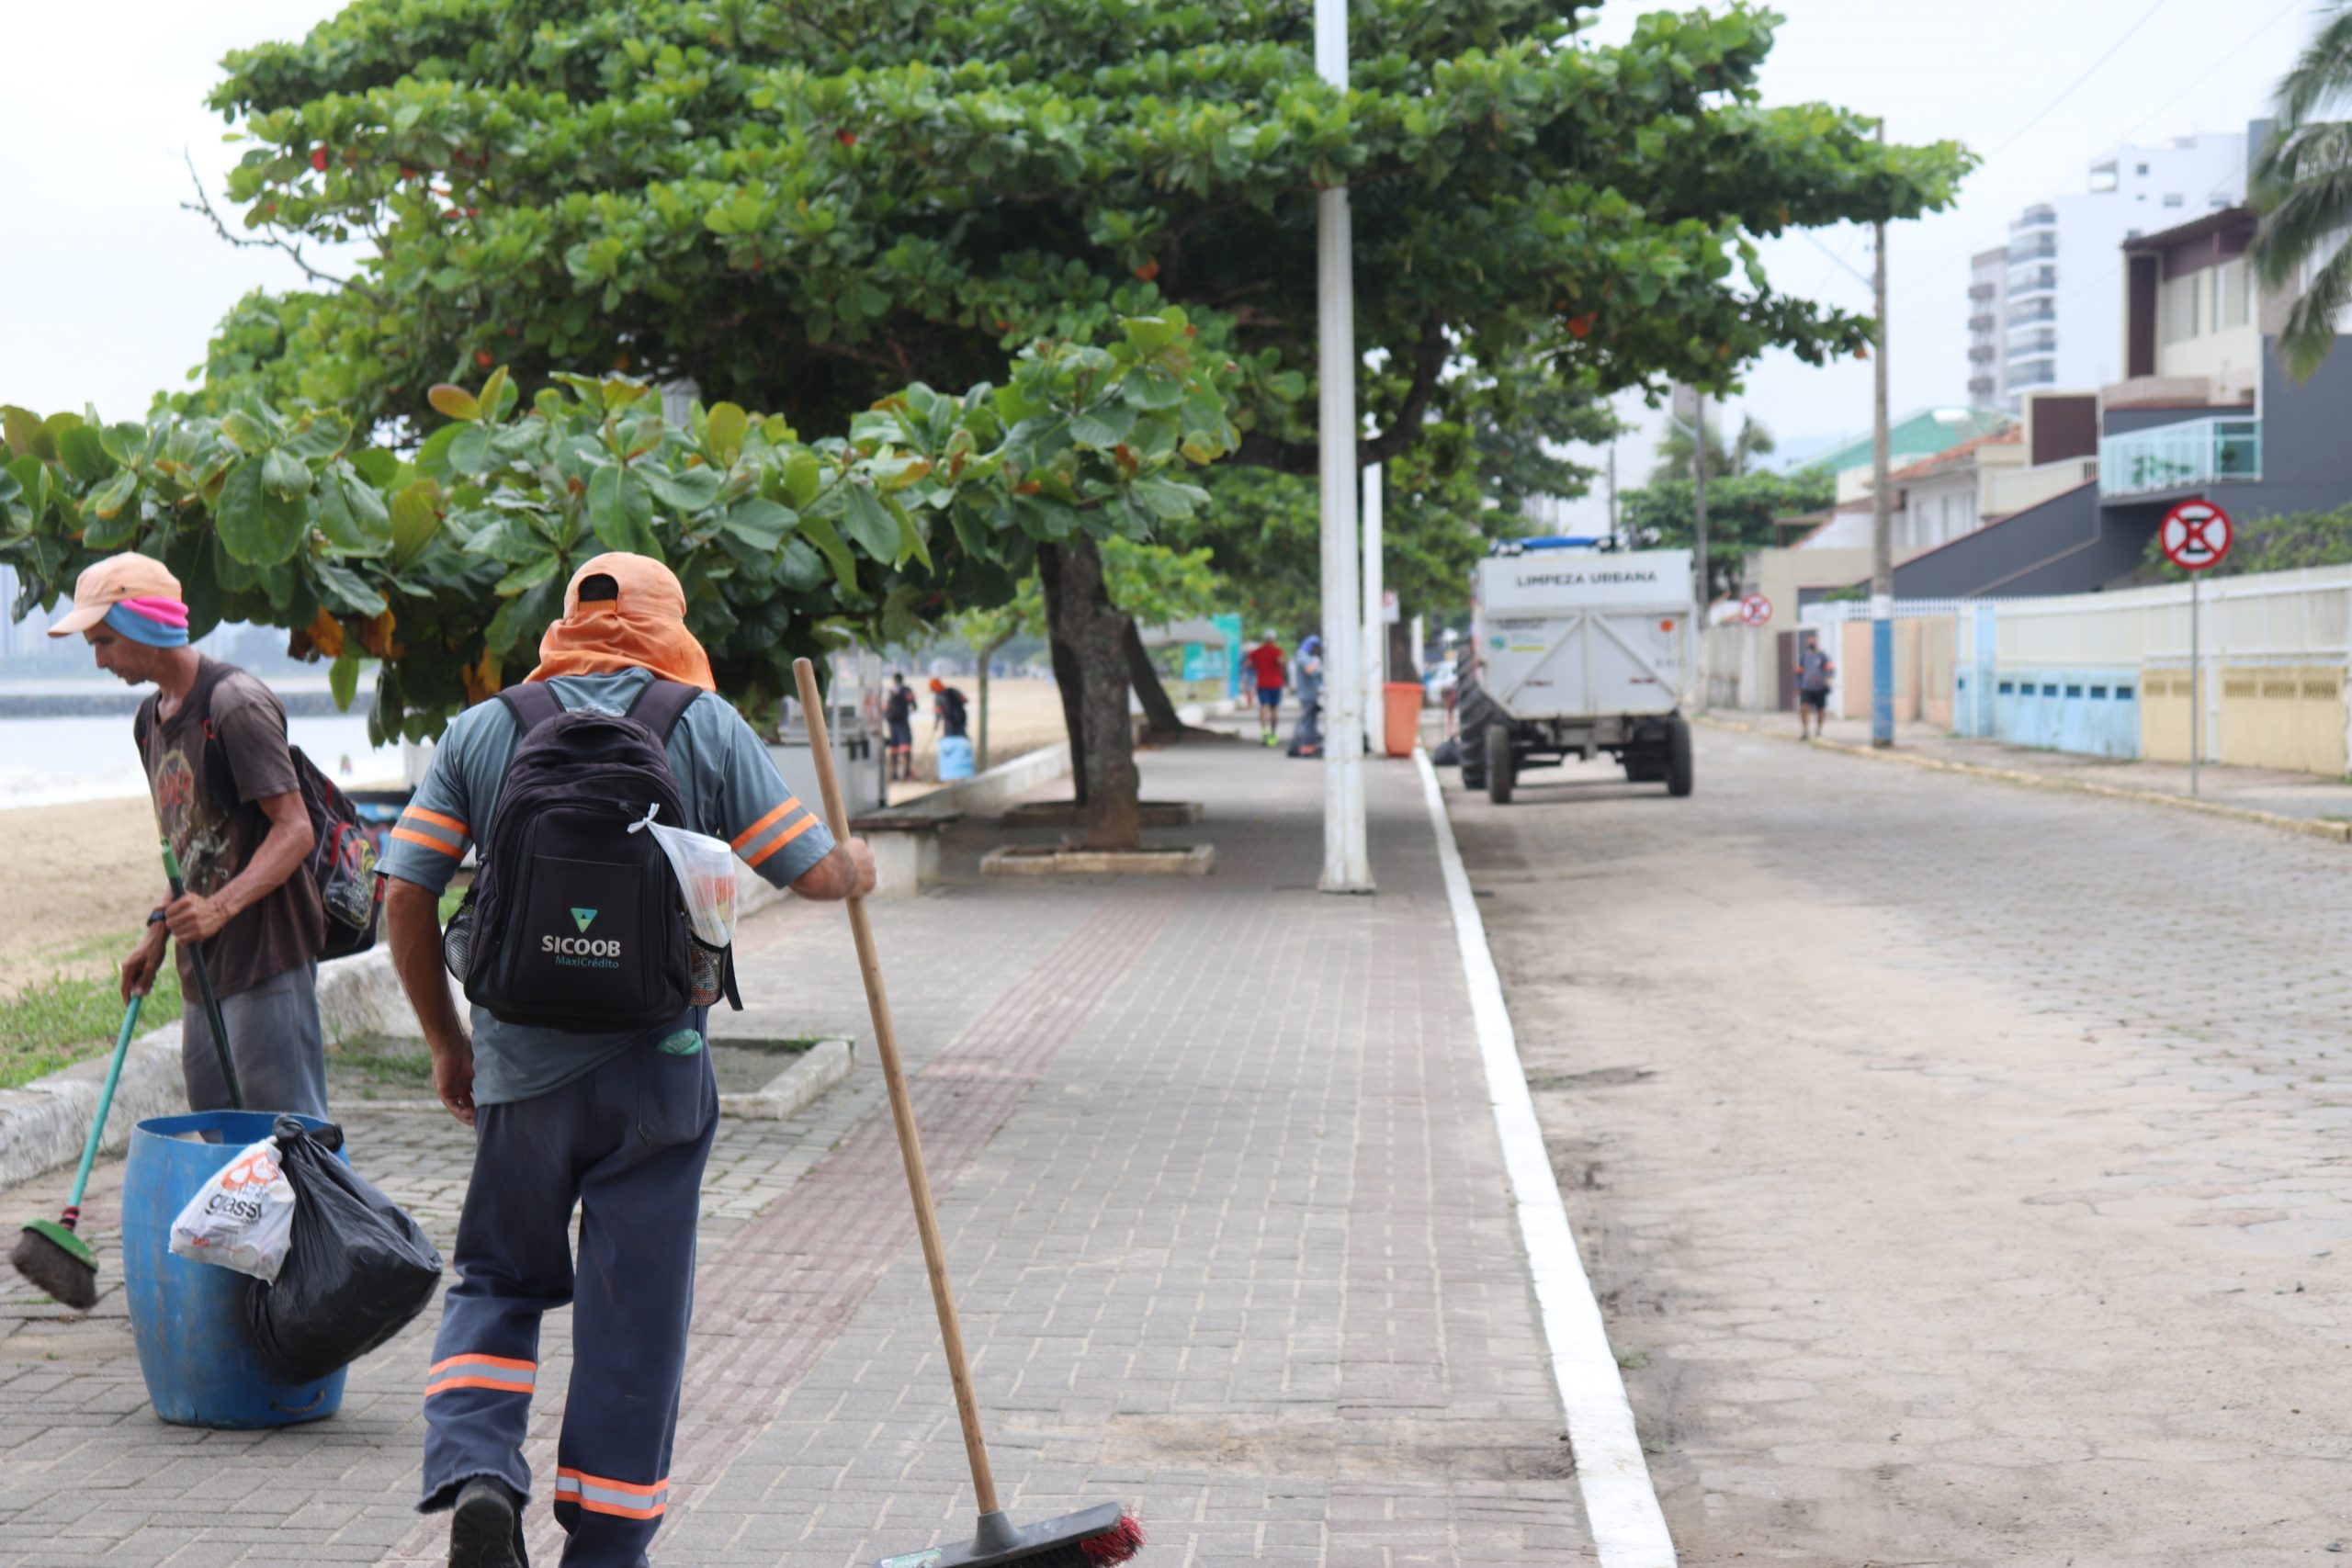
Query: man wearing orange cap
{"points": [[617, 1120], [212, 740]]}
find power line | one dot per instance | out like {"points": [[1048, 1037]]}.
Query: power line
{"points": [[2044, 113]]}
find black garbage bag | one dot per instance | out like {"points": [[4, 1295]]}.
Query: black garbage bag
{"points": [[359, 1270]]}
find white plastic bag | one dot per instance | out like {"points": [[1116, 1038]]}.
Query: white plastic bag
{"points": [[242, 1218], [706, 871]]}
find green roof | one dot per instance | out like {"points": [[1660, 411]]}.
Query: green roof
{"points": [[1916, 436]]}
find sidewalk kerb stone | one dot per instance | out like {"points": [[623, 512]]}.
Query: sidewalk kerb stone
{"points": [[44, 1124], [791, 1091], [1620, 1503], [796, 1087]]}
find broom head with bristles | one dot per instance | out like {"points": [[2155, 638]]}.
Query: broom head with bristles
{"points": [[1099, 1537], [58, 1262]]}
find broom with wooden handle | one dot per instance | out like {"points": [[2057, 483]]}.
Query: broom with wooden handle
{"points": [[1093, 1537]]}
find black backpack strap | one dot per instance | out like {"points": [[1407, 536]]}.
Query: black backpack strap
{"points": [[661, 704], [531, 703]]}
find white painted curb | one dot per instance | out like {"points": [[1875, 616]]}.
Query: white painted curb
{"points": [[1621, 1506], [796, 1087], [44, 1124]]}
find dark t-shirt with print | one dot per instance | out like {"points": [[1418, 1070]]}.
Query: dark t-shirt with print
{"points": [[207, 806]]}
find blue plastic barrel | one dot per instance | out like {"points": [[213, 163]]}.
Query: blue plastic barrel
{"points": [[188, 1318]]}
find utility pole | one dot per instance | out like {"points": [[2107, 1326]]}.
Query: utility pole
{"points": [[1698, 497], [1347, 864], [1882, 515], [1612, 489], [1699, 514]]}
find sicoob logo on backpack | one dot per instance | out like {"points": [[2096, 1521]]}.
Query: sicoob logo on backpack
{"points": [[579, 951]]}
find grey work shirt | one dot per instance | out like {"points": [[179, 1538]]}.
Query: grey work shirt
{"points": [[730, 790], [1813, 671]]}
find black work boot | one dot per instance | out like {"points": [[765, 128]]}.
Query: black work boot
{"points": [[486, 1527]]}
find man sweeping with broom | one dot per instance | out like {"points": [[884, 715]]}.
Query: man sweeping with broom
{"points": [[584, 1075]]}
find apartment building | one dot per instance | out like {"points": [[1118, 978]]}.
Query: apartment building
{"points": [[2050, 290], [1989, 274]]}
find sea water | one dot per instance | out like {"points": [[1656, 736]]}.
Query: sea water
{"points": [[49, 762]]}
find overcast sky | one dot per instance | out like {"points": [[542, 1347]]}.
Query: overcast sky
{"points": [[108, 290]]}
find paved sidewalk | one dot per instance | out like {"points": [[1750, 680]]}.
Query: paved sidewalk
{"points": [[1222, 1191], [2309, 796]]}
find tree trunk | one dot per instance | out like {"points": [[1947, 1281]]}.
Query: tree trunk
{"points": [[1158, 712], [1067, 669], [988, 656], [1078, 608]]}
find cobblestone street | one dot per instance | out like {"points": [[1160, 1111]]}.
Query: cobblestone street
{"points": [[1961, 1167], [1221, 1187]]}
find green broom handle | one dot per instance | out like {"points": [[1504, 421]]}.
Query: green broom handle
{"points": [[204, 988], [106, 1100]]}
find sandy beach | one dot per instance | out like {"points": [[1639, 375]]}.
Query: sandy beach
{"points": [[72, 876]]}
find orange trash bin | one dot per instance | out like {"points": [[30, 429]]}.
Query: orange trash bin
{"points": [[1402, 716]]}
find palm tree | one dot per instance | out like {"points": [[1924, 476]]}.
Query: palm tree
{"points": [[2303, 187], [1753, 441]]}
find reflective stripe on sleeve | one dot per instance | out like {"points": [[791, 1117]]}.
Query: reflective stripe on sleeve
{"points": [[454, 853], [791, 804], [438, 820], [783, 839], [435, 831]]}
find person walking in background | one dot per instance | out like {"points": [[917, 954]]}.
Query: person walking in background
{"points": [[949, 717], [1265, 662], [212, 740], [1815, 671], [898, 714], [617, 1120]]}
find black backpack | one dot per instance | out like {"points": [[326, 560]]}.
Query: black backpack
{"points": [[577, 922], [342, 863]]}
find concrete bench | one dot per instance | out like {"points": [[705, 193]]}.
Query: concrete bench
{"points": [[905, 841]]}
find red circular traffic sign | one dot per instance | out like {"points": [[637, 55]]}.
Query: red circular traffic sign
{"points": [[1755, 610], [2195, 534]]}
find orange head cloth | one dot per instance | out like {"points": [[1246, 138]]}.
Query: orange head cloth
{"points": [[643, 628]]}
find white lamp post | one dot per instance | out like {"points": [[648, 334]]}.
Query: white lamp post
{"points": [[1347, 866]]}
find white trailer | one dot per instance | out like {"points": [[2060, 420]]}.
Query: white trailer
{"points": [[1578, 648]]}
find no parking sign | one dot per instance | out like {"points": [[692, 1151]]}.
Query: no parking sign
{"points": [[2194, 535]]}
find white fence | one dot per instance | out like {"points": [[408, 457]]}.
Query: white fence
{"points": [[2106, 674]]}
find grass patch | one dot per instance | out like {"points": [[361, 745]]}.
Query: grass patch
{"points": [[368, 1067], [783, 1045], [64, 1020]]}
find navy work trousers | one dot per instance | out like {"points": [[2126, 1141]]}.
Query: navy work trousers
{"points": [[629, 1141]]}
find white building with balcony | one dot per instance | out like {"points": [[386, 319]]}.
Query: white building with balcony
{"points": [[2060, 273], [1988, 273]]}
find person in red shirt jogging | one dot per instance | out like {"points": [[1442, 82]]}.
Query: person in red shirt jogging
{"points": [[1266, 665]]}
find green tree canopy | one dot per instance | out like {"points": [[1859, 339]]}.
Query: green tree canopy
{"points": [[448, 563], [1740, 513], [803, 206]]}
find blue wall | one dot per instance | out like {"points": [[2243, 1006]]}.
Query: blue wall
{"points": [[2092, 711]]}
